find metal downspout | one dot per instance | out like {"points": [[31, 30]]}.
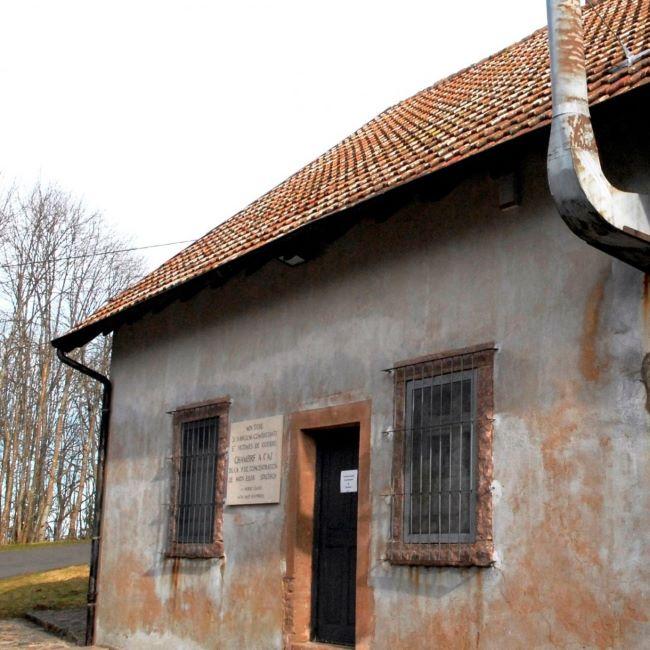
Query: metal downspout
{"points": [[605, 217], [99, 487]]}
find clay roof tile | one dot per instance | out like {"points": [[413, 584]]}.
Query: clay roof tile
{"points": [[497, 99]]}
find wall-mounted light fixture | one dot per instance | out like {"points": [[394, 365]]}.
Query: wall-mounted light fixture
{"points": [[292, 260], [509, 190]]}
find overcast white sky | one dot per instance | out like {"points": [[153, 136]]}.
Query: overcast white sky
{"points": [[169, 117]]}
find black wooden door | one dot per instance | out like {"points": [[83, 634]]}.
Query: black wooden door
{"points": [[335, 537]]}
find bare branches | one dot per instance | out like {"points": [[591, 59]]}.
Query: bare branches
{"points": [[56, 267]]}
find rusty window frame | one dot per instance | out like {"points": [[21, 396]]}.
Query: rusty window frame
{"points": [[186, 415], [475, 549]]}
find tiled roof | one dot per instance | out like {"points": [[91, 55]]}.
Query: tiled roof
{"points": [[496, 100]]}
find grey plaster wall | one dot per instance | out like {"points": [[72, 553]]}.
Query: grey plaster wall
{"points": [[570, 442]]}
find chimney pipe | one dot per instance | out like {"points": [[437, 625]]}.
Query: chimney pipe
{"points": [[607, 218]]}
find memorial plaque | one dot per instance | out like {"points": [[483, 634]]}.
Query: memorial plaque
{"points": [[255, 461]]}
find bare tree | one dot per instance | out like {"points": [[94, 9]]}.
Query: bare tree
{"points": [[58, 263]]}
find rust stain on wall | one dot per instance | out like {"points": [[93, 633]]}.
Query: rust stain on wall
{"points": [[254, 611], [450, 628], [191, 612], [176, 562], [564, 572], [559, 585], [590, 363], [132, 603]]}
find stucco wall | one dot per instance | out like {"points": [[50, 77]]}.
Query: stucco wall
{"points": [[570, 451]]}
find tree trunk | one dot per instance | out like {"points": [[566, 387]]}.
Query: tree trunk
{"points": [[76, 507], [35, 495], [54, 465]]}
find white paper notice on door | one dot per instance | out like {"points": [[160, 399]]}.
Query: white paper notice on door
{"points": [[349, 480]]}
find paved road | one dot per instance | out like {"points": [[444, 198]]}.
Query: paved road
{"points": [[42, 558]]}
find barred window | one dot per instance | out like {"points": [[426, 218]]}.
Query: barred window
{"points": [[442, 463], [440, 459], [198, 481]]}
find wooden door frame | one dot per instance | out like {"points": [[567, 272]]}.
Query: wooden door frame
{"points": [[300, 523]]}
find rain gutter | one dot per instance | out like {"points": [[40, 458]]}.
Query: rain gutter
{"points": [[99, 487], [607, 218]]}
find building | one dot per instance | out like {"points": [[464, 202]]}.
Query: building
{"points": [[394, 402]]}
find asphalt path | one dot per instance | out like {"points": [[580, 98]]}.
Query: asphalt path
{"points": [[42, 558]]}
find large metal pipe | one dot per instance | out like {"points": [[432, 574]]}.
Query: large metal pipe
{"points": [[99, 486], [605, 217]]}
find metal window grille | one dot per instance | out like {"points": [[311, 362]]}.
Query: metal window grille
{"points": [[434, 494], [195, 499], [440, 459]]}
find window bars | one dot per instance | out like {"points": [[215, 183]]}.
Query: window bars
{"points": [[198, 479], [196, 497], [440, 462], [442, 457]]}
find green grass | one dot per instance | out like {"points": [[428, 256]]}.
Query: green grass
{"points": [[57, 589], [22, 547]]}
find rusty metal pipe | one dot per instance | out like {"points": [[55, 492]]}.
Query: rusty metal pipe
{"points": [[99, 487], [605, 217]]}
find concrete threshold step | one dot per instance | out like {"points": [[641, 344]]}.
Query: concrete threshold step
{"points": [[69, 624]]}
